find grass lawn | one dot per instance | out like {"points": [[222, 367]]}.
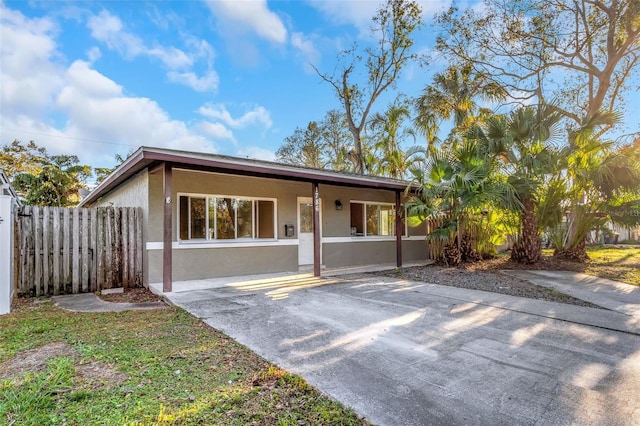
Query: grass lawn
{"points": [[615, 263], [159, 367], [619, 263]]}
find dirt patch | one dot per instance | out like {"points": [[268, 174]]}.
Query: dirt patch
{"points": [[34, 360], [94, 374], [131, 295], [475, 277]]}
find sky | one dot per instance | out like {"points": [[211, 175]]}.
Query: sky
{"points": [[233, 77]]}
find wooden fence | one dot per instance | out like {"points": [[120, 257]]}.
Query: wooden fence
{"points": [[68, 251]]}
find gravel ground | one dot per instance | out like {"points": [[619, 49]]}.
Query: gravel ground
{"points": [[476, 279]]}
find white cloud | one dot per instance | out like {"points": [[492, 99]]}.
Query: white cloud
{"points": [[108, 29], [219, 112], [257, 153], [96, 107], [29, 73], [206, 83], [97, 118], [251, 15], [356, 13], [94, 54], [217, 131], [307, 50]]}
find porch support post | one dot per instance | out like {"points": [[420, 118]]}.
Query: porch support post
{"points": [[167, 258], [316, 230], [398, 231]]}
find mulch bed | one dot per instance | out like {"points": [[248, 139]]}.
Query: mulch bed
{"points": [[486, 276], [131, 295]]}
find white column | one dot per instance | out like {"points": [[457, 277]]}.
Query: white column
{"points": [[6, 253]]}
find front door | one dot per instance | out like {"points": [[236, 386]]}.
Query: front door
{"points": [[305, 231]]}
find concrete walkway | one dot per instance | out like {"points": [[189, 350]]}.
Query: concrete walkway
{"points": [[89, 302], [412, 353], [614, 295]]}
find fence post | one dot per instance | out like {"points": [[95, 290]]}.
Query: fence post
{"points": [[6, 253]]}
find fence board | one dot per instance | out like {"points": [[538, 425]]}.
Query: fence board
{"points": [[125, 248], [45, 251], [63, 251], [75, 258], [84, 279], [138, 243], [56, 250], [93, 277], [37, 244], [66, 249]]}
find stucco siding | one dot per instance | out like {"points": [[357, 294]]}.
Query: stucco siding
{"points": [[206, 261], [190, 264], [336, 255]]}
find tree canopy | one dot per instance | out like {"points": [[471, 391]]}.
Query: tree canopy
{"points": [[393, 26], [43, 179], [581, 54]]}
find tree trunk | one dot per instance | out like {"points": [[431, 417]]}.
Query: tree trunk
{"points": [[528, 248], [574, 254]]}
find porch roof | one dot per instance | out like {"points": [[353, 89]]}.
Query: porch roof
{"points": [[149, 157]]}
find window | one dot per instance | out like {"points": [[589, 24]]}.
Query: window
{"points": [[225, 218], [372, 219]]}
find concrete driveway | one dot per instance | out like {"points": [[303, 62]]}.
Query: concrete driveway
{"points": [[408, 353]]}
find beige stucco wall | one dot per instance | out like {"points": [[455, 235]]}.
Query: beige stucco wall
{"points": [[336, 255], [203, 262], [216, 184], [191, 264]]}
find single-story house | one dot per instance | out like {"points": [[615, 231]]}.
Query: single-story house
{"points": [[207, 216]]}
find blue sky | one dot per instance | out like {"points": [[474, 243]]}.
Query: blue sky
{"points": [[232, 77]]}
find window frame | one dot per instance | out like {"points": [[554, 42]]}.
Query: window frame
{"points": [[214, 239], [365, 204]]}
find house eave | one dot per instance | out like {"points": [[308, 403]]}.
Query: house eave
{"points": [[146, 157]]}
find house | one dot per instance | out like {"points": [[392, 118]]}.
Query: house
{"points": [[207, 216], [8, 202]]}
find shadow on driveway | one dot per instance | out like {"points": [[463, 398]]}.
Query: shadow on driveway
{"points": [[409, 353]]}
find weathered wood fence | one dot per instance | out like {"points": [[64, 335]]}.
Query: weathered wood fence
{"points": [[68, 251]]}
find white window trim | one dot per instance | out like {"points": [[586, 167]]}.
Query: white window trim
{"points": [[214, 240], [364, 212]]}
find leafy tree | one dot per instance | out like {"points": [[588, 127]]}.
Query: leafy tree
{"points": [[43, 179], [304, 148], [393, 26], [320, 145], [581, 52], [17, 158], [102, 173]]}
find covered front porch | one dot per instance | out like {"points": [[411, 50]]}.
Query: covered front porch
{"points": [[277, 285]]}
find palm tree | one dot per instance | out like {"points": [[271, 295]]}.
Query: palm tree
{"points": [[523, 141], [388, 130], [602, 180], [453, 95], [454, 184]]}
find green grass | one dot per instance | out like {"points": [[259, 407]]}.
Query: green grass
{"points": [[616, 263], [611, 262], [172, 369]]}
